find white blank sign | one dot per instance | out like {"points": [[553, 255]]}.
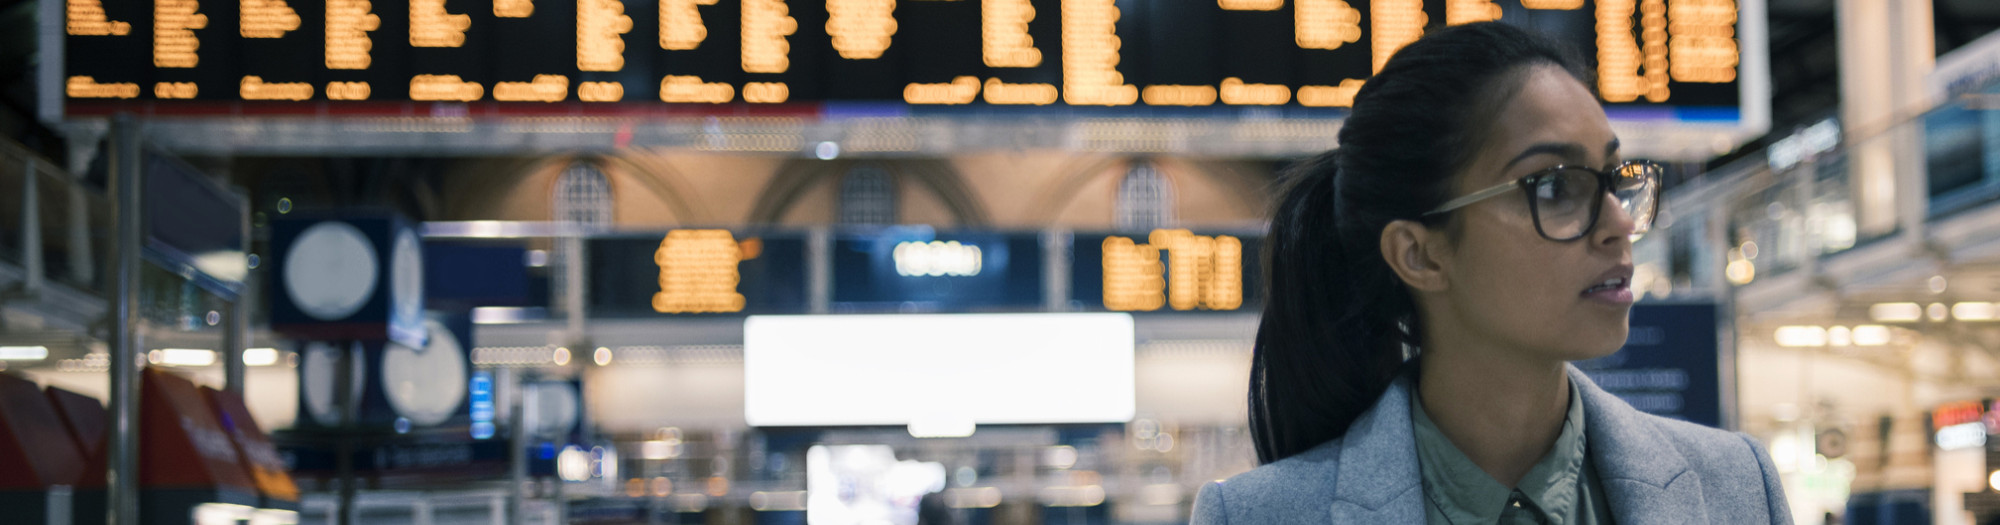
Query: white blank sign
{"points": [[841, 370]]}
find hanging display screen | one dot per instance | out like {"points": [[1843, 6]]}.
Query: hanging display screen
{"points": [[188, 56]]}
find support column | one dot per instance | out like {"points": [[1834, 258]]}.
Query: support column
{"points": [[122, 500], [1886, 50]]}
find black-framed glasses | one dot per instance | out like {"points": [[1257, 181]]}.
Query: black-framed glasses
{"points": [[1566, 200]]}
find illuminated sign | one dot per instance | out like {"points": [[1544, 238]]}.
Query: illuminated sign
{"points": [[698, 272], [1006, 42], [1209, 54], [861, 28], [937, 258], [431, 26], [266, 19], [174, 43], [598, 44], [348, 23], [1962, 436], [766, 23], [1958, 413], [1200, 272]]}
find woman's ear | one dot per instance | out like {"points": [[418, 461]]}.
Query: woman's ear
{"points": [[1413, 251]]}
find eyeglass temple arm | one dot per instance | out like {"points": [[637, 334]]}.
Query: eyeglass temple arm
{"points": [[1477, 196]]}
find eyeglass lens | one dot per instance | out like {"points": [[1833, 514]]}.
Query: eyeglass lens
{"points": [[1565, 200]]}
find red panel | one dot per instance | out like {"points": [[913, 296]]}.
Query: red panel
{"points": [[253, 446], [83, 416], [35, 449], [181, 446]]}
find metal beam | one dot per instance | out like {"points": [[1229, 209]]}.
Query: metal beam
{"points": [[123, 476]]}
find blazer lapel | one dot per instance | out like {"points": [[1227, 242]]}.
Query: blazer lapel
{"points": [[1378, 480], [1645, 478]]}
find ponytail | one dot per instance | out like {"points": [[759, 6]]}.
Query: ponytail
{"points": [[1338, 324]]}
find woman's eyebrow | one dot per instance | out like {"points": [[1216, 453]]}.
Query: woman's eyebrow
{"points": [[1566, 150]]}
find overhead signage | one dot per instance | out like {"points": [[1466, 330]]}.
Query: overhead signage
{"points": [[1164, 271], [917, 269], [1669, 365], [938, 374], [692, 272], [373, 55]]}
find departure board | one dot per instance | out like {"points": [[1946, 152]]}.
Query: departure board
{"points": [[980, 53]]}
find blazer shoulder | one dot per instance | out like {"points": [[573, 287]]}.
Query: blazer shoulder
{"points": [[1292, 490], [1707, 446]]}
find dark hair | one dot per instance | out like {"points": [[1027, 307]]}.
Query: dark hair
{"points": [[1338, 324]]}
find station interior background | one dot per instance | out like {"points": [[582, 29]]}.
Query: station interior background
{"points": [[1825, 277]]}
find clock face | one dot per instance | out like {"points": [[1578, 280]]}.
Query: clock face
{"points": [[321, 373], [551, 408], [330, 271], [426, 386], [407, 281]]}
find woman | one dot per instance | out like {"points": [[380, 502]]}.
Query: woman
{"points": [[1429, 283]]}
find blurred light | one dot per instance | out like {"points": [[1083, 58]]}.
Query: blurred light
{"points": [[607, 462], [1160, 494], [1797, 336], [1839, 336], [635, 488], [260, 356], [1059, 457], [778, 501], [402, 425], [662, 487], [1962, 436], [23, 353], [274, 517], [1749, 250], [255, 261], [508, 314], [966, 476], [1871, 335], [1895, 312], [973, 498], [1937, 311], [561, 357], [941, 428], [284, 205], [1975, 311], [1937, 283], [538, 258], [602, 356], [660, 449], [213, 318], [1083, 496], [827, 151], [185, 357], [1164, 443], [1740, 272], [1993, 480], [221, 513], [573, 464], [718, 486]]}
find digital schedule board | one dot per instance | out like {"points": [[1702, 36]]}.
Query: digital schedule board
{"points": [[534, 56]]}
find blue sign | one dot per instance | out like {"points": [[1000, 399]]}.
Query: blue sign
{"points": [[917, 269], [1670, 363]]}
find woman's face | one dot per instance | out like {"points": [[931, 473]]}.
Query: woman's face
{"points": [[1507, 283]]}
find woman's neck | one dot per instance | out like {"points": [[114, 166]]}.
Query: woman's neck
{"points": [[1502, 411]]}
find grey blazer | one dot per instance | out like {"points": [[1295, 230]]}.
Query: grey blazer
{"points": [[1653, 470]]}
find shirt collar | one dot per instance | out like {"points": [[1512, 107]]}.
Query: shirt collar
{"points": [[1458, 488]]}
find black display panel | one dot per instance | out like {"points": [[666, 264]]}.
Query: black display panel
{"points": [[625, 276], [205, 56], [913, 269]]}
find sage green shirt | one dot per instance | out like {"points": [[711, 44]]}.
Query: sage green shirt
{"points": [[1561, 489]]}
